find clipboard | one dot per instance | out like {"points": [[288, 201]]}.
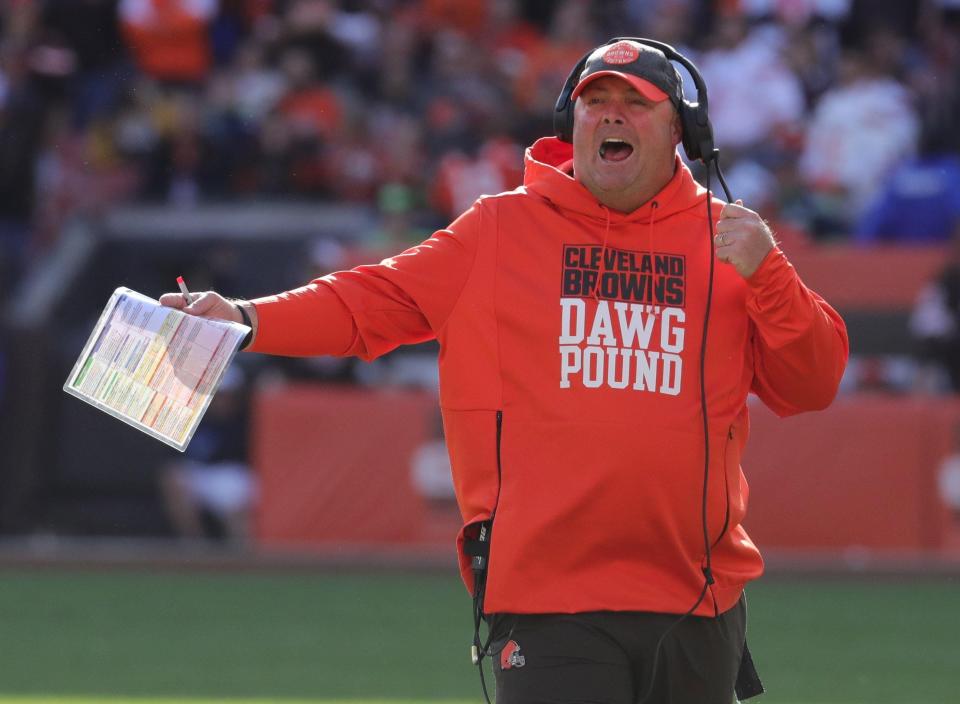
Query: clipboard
{"points": [[153, 367]]}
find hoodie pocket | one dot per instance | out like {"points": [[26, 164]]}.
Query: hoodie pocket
{"points": [[731, 465]]}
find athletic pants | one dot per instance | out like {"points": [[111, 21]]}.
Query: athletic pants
{"points": [[607, 657]]}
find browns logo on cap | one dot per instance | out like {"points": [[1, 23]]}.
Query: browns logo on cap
{"points": [[621, 53], [642, 66]]}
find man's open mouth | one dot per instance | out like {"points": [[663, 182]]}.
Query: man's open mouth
{"points": [[615, 150]]}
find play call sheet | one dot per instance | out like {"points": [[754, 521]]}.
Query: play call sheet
{"points": [[154, 367]]}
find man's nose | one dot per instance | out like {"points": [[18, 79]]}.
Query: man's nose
{"points": [[613, 114]]}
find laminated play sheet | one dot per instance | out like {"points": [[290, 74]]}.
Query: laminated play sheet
{"points": [[154, 367]]}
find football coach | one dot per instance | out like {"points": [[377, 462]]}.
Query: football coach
{"points": [[600, 328]]}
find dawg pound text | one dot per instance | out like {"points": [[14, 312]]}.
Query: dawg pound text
{"points": [[621, 345]]}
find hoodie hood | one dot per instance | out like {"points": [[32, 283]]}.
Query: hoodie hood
{"points": [[548, 172]]}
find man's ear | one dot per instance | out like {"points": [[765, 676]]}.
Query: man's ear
{"points": [[677, 129]]}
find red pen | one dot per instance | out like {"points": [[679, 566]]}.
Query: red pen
{"points": [[184, 290]]}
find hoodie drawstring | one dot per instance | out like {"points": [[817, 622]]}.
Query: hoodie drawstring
{"points": [[606, 236], [653, 209], [603, 254]]}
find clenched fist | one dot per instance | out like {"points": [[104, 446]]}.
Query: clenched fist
{"points": [[742, 238]]}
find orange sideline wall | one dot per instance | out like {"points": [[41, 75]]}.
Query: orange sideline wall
{"points": [[863, 473], [877, 278], [335, 472]]}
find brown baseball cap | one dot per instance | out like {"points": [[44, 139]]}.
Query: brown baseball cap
{"points": [[645, 68]]}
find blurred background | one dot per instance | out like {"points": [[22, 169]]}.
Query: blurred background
{"points": [[303, 546]]}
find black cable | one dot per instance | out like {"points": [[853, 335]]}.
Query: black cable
{"points": [[708, 579], [483, 681], [656, 649], [479, 565], [707, 570], [715, 158], [480, 650]]}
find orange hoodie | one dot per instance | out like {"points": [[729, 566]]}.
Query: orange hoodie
{"points": [[572, 407]]}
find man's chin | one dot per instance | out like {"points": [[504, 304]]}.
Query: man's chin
{"points": [[614, 186]]}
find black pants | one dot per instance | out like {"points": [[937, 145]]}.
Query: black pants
{"points": [[607, 657]]}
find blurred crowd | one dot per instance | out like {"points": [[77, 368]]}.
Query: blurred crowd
{"points": [[837, 119], [835, 116]]}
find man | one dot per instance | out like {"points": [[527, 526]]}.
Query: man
{"points": [[574, 421]]}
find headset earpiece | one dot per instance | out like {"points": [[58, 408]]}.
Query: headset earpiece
{"points": [[563, 110], [694, 119], [697, 132]]}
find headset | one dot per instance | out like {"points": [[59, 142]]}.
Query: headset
{"points": [[694, 118]]}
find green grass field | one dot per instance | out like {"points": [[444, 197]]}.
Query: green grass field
{"points": [[119, 637]]}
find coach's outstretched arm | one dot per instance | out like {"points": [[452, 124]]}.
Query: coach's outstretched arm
{"points": [[366, 311]]}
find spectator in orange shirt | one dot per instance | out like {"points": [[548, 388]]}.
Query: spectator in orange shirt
{"points": [[309, 106], [168, 38]]}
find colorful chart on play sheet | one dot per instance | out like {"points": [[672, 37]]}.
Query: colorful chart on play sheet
{"points": [[154, 367]]}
